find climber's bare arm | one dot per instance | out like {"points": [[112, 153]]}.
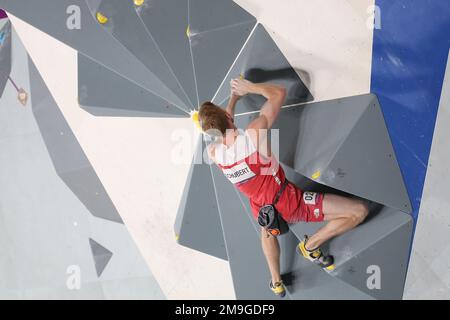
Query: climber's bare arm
{"points": [[259, 127], [274, 94], [234, 98]]}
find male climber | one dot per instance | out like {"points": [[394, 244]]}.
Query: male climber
{"points": [[245, 158]]}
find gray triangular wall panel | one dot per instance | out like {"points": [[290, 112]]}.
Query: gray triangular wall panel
{"points": [[388, 255], [5, 55], [69, 159], [167, 21], [365, 164], [323, 127], [91, 39], [262, 61], [101, 256], [212, 59], [103, 92], [198, 223], [126, 26]]}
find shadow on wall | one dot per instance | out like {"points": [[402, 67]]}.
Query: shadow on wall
{"points": [[297, 91]]}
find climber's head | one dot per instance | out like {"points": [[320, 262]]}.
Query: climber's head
{"points": [[214, 120]]}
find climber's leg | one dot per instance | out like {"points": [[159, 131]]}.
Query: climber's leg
{"points": [[342, 214], [271, 249]]}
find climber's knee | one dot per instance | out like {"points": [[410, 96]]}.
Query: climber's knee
{"points": [[359, 212]]}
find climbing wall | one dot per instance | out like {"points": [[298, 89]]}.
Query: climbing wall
{"points": [[161, 59], [61, 234]]}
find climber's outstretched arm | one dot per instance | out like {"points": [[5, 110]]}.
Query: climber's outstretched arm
{"points": [[275, 96], [234, 98]]}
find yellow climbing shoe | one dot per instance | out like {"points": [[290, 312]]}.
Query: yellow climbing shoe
{"points": [[316, 256], [278, 288]]}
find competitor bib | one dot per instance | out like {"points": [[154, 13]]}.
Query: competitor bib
{"points": [[239, 173]]}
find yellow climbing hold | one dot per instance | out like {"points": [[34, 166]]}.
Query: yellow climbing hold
{"points": [[316, 175], [241, 76], [177, 237], [194, 117], [139, 2], [102, 19], [188, 31]]}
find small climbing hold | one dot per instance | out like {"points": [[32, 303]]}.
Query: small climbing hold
{"points": [[194, 117], [188, 31], [177, 237], [22, 96], [138, 3], [102, 19], [316, 175]]}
